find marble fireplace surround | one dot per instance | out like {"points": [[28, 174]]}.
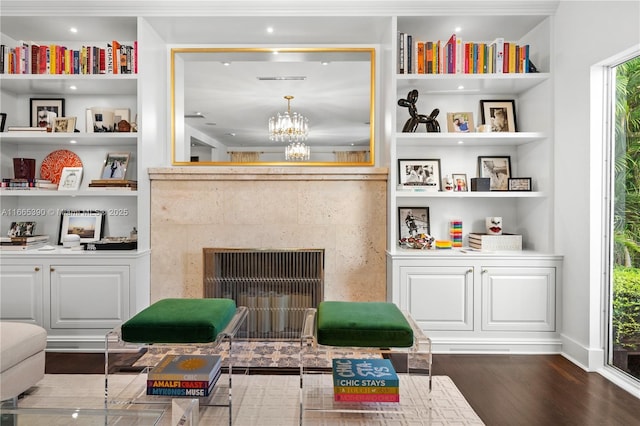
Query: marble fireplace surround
{"points": [[342, 210]]}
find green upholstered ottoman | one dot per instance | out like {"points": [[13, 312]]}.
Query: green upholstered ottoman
{"points": [[180, 321], [362, 324]]}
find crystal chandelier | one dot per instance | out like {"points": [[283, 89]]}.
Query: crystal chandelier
{"points": [[288, 127], [297, 151]]}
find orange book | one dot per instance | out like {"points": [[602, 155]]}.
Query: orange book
{"points": [[115, 47], [420, 58]]}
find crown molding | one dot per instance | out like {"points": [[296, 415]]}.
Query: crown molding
{"points": [[152, 8]]}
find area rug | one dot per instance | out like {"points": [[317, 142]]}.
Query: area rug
{"points": [[266, 400], [255, 354]]}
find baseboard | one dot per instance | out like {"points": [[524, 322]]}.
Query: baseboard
{"points": [[496, 346], [589, 359]]}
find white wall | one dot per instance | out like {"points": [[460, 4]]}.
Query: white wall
{"points": [[586, 33]]}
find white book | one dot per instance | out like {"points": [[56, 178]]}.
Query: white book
{"points": [[498, 59]]}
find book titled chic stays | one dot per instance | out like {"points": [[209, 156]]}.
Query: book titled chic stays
{"points": [[365, 380], [186, 367]]}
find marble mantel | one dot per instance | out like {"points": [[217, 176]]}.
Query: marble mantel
{"points": [[339, 209]]}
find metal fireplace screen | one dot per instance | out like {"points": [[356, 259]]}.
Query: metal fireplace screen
{"points": [[275, 285]]}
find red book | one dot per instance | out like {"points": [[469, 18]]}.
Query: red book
{"points": [[366, 397], [42, 61], [103, 61]]}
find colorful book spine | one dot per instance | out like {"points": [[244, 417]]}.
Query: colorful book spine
{"points": [[366, 389], [186, 367], [366, 397], [349, 372]]}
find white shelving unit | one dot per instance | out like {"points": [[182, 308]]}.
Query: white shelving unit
{"points": [[466, 300], [76, 295]]}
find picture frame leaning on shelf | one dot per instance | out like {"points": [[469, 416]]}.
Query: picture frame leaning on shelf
{"points": [[88, 224], [44, 111], [499, 114], [420, 173], [497, 169]]}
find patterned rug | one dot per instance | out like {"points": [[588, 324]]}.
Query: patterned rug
{"points": [[257, 354]]}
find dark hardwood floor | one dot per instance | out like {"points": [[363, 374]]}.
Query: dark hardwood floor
{"points": [[510, 390]]}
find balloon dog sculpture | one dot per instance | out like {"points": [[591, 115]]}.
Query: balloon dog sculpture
{"points": [[414, 121]]}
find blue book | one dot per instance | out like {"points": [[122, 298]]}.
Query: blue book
{"points": [[364, 373]]}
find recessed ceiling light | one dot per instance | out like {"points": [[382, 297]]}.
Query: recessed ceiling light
{"points": [[73, 141], [458, 29], [461, 87], [73, 30], [269, 30], [73, 88], [460, 142], [325, 62], [226, 64], [230, 134]]}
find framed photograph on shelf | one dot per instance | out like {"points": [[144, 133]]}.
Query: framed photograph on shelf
{"points": [[413, 221], [3, 120], [70, 179], [498, 169], [115, 165], [520, 184], [88, 224], [420, 174], [44, 111], [64, 124], [500, 115], [460, 122], [22, 229], [459, 182]]}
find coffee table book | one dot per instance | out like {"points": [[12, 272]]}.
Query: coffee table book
{"points": [[365, 380], [190, 388], [186, 367]]}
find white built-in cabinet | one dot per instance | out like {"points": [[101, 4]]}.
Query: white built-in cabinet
{"points": [[479, 301]]}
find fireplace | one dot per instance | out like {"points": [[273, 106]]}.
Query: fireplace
{"points": [[276, 285]]}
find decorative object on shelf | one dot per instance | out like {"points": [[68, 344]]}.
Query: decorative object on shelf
{"points": [[505, 242], [87, 224], [459, 182], [494, 225], [52, 165], [24, 168], [420, 173], [415, 228], [288, 127], [455, 232], [3, 120], [70, 179], [447, 184], [297, 151], [444, 244], [21, 229], [44, 111], [71, 241], [115, 165], [460, 122], [101, 120], [498, 169], [480, 184], [500, 115], [114, 243], [520, 184], [416, 119], [64, 124]]}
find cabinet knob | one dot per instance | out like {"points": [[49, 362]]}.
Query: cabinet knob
{"points": [[37, 269], [52, 269], [470, 270], [484, 271]]}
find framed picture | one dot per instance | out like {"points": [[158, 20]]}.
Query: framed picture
{"points": [[413, 221], [498, 169], [115, 166], [64, 124], [22, 229], [519, 184], [420, 173], [44, 111], [459, 182], [3, 120], [460, 122], [88, 224], [70, 179], [500, 115]]}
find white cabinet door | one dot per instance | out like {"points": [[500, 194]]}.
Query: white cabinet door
{"points": [[438, 298], [518, 299], [21, 293], [94, 296]]}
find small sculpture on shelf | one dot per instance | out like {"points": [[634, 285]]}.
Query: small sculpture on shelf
{"points": [[414, 121]]}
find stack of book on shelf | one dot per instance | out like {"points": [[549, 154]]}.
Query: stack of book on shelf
{"points": [[495, 242], [184, 375], [28, 184], [365, 380], [454, 56], [23, 243], [114, 184]]}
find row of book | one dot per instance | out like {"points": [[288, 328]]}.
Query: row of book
{"points": [[365, 380], [184, 375], [457, 57], [20, 183], [33, 58]]}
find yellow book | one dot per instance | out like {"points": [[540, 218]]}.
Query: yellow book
{"points": [[52, 59]]}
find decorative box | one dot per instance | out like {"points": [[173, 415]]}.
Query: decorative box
{"points": [[495, 242], [480, 184]]}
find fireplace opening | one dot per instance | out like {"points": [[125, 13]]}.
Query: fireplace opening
{"points": [[276, 285]]}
